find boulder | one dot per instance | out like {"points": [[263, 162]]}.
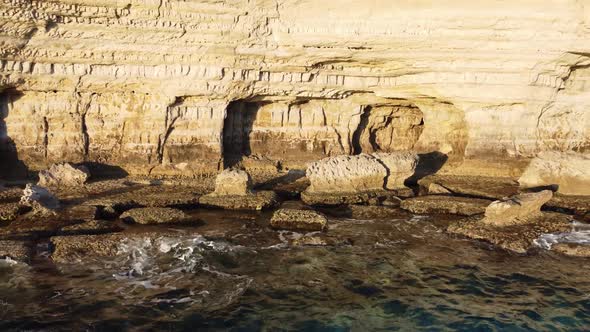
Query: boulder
{"points": [[519, 209], [233, 182], [438, 204], [569, 171], [39, 198], [154, 215], [64, 175], [346, 174], [298, 220], [400, 166]]}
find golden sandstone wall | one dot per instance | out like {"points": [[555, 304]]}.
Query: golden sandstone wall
{"points": [[171, 87]]}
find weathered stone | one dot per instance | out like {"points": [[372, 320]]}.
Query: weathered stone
{"points": [[39, 198], [400, 167], [577, 205], [351, 198], [346, 174], [17, 250], [519, 209], [474, 186], [63, 175], [232, 182], [68, 249], [572, 249], [9, 211], [154, 215], [518, 237], [298, 220], [259, 200], [437, 189], [438, 204], [569, 171]]}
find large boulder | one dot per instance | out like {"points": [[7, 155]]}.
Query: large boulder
{"points": [[298, 220], [346, 174], [400, 166], [519, 209], [569, 171], [438, 204], [39, 198], [63, 175]]}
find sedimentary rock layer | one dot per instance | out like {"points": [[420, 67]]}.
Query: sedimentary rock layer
{"points": [[171, 87]]}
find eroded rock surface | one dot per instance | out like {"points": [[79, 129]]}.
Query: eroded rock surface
{"points": [[298, 220], [259, 200], [233, 182], [154, 215], [519, 209], [473, 186], [63, 175], [400, 167], [438, 204], [568, 171], [39, 198]]}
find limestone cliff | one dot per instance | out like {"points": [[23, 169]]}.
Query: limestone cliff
{"points": [[177, 87]]}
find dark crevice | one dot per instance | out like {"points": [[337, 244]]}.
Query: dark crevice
{"points": [[356, 136]]}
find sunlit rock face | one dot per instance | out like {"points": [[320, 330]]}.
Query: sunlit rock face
{"points": [[171, 87]]}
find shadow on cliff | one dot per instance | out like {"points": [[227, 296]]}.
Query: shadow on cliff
{"points": [[11, 167], [237, 128], [428, 164]]}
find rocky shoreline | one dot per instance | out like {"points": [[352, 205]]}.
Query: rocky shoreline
{"points": [[78, 218]]}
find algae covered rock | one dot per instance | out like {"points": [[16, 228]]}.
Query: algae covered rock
{"points": [[154, 215], [298, 220], [438, 204]]}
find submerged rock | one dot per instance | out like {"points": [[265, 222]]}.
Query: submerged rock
{"points": [[519, 209], [438, 204], [154, 215], [76, 248], [569, 171], [233, 182], [516, 237], [92, 227], [572, 249], [64, 175], [39, 198], [298, 220], [255, 201]]}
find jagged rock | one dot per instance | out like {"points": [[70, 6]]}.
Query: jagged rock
{"points": [[572, 249], [438, 204], [233, 182], [474, 186], [17, 250], [298, 220], [400, 166], [259, 200], [154, 215], [569, 171], [437, 189], [516, 237], [39, 198], [519, 209], [63, 175]]}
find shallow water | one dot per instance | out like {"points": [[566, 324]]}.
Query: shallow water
{"points": [[397, 274]]}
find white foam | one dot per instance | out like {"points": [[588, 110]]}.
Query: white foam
{"points": [[580, 234]]}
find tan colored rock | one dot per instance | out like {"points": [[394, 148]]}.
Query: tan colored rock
{"points": [[346, 174], [400, 166], [63, 175], [519, 238], [439, 204], [21, 251], [572, 249], [475, 186], [154, 215], [260, 200], [233, 182], [9, 211], [68, 249], [437, 189], [298, 220], [519, 209], [569, 171]]}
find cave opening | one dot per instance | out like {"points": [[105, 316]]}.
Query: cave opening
{"points": [[237, 127], [388, 128]]}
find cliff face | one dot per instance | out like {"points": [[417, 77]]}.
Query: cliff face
{"points": [[174, 87]]}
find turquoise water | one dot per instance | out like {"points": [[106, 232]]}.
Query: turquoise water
{"points": [[402, 274]]}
